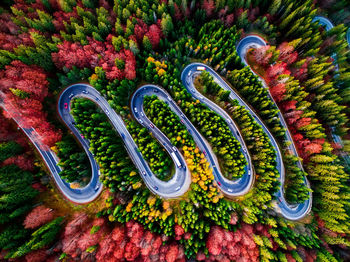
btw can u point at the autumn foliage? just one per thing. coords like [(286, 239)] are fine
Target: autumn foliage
[(96, 54), (23, 89), (129, 243), (276, 77), (231, 246), (38, 216)]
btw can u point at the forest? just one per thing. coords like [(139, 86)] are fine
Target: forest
[(302, 75)]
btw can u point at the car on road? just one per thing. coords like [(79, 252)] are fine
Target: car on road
[(122, 135), (107, 112), (174, 148), (178, 188), (71, 95), (85, 92), (200, 68), (182, 121), (151, 125), (155, 187), (155, 90), (135, 109), (65, 105), (82, 136), (204, 153), (144, 173), (142, 114), (97, 187), (219, 183), (229, 190)]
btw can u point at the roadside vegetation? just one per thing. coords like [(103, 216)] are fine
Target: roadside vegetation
[(73, 161)]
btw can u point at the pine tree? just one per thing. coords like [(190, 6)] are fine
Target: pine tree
[(167, 25), (146, 43)]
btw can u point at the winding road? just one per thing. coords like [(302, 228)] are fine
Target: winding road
[(80, 195), (295, 211), (181, 180), (231, 188)]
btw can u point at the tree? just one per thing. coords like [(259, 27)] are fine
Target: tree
[(36, 256), (154, 34), (28, 110), (38, 216), (167, 25), (9, 149), (147, 43), (209, 7), (40, 238)]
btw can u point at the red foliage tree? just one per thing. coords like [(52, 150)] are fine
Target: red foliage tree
[(313, 148), (154, 34), (232, 246), (23, 161), (36, 256), (40, 215), (277, 69), (9, 42), (289, 105), (172, 253), (178, 14), (287, 53), (229, 20), (96, 54), (303, 122), (209, 7), (7, 25), (179, 231), (23, 89), (140, 30), (89, 237), (261, 56), (278, 91), (72, 232)]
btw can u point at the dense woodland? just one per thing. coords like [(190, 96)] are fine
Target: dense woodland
[(116, 46)]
